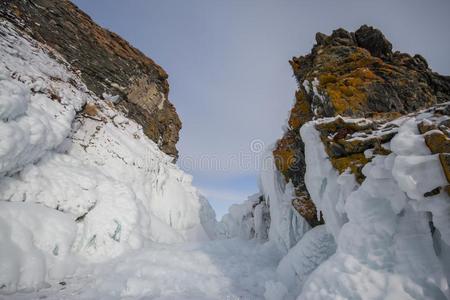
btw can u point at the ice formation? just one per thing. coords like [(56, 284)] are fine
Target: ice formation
[(381, 227), (77, 183), (377, 241), (286, 225), (247, 220)]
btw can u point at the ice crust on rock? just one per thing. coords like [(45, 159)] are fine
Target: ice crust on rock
[(312, 250), (287, 226), (384, 241), (247, 220), (78, 185), (377, 241)]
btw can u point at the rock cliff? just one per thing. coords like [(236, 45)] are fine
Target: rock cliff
[(354, 74), (108, 65), (80, 178)]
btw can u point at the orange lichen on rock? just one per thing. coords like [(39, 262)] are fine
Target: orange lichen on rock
[(284, 155), (437, 141), (90, 109), (301, 112), (354, 163), (347, 81), (445, 162)]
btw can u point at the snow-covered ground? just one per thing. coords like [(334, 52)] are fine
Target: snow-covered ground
[(222, 269)]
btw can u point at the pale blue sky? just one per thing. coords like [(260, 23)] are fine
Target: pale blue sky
[(228, 66)]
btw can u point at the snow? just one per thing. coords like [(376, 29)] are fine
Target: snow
[(31, 123), (91, 187), (35, 245), (222, 269), (111, 98), (306, 85), (318, 98), (384, 243), (275, 290)]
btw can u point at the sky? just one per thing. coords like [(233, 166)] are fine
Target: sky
[(229, 75)]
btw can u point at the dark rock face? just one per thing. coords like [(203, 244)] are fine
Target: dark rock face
[(355, 75), (374, 41), (107, 63)]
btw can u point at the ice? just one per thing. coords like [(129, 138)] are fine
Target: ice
[(327, 189), (35, 246), (275, 291), (408, 141), (14, 98), (384, 244), (384, 248), (247, 220), (287, 226), (312, 250), (74, 188)]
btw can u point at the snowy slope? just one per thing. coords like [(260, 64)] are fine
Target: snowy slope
[(79, 182)]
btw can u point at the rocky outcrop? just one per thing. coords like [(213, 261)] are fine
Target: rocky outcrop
[(108, 65), (354, 74)]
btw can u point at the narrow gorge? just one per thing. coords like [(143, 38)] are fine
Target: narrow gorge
[(353, 200)]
